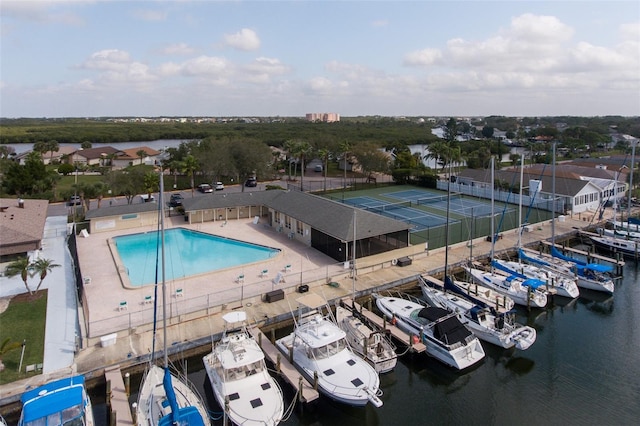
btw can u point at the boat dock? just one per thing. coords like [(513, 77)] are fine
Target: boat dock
[(307, 393), (117, 397), (382, 323)]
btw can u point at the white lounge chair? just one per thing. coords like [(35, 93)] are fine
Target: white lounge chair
[(264, 273)]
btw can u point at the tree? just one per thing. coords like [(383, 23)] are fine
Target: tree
[(141, 153), (487, 132), (6, 347), (345, 148), (42, 267), (86, 145), (300, 150), (20, 267), (371, 159), (189, 166), (324, 155), (52, 146), (151, 183), (65, 169)]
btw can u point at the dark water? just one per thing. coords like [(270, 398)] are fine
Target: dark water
[(583, 369)]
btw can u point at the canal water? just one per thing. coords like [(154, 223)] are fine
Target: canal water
[(583, 369)]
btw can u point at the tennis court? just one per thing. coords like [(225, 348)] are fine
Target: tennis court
[(403, 211), (459, 204)]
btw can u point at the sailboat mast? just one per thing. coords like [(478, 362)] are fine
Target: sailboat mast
[(446, 226), (633, 156), (553, 192), (493, 236), (353, 261), (164, 286), (520, 201)]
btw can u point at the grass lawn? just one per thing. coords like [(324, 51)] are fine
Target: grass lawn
[(24, 319)]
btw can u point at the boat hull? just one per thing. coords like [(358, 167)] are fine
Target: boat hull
[(459, 356), (340, 375)]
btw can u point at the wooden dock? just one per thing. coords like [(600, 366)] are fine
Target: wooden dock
[(588, 255), (287, 370), (398, 334), (118, 400)]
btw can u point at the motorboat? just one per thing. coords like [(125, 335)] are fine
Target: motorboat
[(628, 247), (60, 402), (239, 377), (319, 350), (367, 341), (167, 397), (480, 295), (498, 329), (526, 292), (444, 336), (560, 284)]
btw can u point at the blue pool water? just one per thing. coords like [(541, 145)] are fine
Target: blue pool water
[(187, 253)]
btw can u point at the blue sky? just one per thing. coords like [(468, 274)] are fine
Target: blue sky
[(89, 58)]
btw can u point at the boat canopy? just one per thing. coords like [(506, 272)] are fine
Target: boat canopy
[(595, 267), (449, 331), (52, 398)]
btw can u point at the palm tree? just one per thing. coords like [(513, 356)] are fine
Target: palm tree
[(345, 148), (289, 147), (151, 183), (21, 267), (141, 153), (42, 267), (189, 165), (324, 154), (302, 150), (6, 347)]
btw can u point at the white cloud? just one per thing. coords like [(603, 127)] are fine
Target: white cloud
[(108, 59), (245, 39), (424, 57), (380, 23), (41, 12), (178, 49)]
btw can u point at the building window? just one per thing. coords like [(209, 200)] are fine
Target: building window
[(129, 216), (287, 222), (299, 227)]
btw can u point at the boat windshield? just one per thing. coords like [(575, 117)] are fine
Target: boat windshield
[(243, 371), (328, 350), (71, 416)]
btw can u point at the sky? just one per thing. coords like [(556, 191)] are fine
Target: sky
[(91, 58)]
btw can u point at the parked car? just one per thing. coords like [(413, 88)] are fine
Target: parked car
[(74, 200), (146, 198), (205, 188), (219, 186), (175, 200), (251, 182)]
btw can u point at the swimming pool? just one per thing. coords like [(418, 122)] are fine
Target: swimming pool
[(187, 253)]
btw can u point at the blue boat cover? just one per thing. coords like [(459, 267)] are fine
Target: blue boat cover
[(185, 416), (533, 283), (592, 266), (633, 221), (52, 398)]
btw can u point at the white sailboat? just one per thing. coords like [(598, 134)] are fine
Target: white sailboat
[(166, 398), (318, 349), (445, 337), (498, 329), (523, 291), (589, 275), (480, 295), (239, 377)]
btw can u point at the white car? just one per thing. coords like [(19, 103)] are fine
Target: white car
[(219, 186)]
